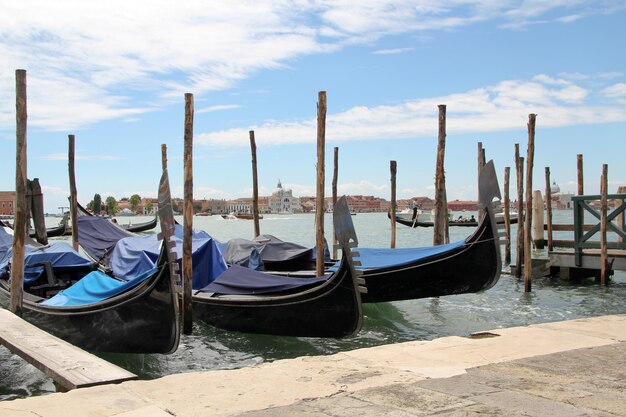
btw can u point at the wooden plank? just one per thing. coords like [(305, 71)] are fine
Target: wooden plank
[(68, 365)]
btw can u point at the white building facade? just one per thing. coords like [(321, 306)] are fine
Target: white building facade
[(282, 201)]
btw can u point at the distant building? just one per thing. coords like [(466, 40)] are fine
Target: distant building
[(560, 201), (7, 203), (282, 201)]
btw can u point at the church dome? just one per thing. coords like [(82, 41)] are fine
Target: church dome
[(555, 189)]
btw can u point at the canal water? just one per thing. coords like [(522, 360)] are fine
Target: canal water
[(504, 305)]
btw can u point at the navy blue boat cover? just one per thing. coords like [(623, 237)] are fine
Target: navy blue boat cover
[(98, 236), (135, 255), (238, 280), (59, 254), (93, 288)]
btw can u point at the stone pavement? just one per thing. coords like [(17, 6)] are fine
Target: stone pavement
[(582, 382), (571, 368)]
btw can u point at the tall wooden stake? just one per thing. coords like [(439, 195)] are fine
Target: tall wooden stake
[(36, 208), (441, 205), (319, 201), (255, 187), (334, 190), (519, 249), (549, 209), (19, 222), (581, 180), (528, 269), (507, 216), (73, 192), (538, 221), (480, 164), (187, 263), (393, 169), (604, 266), (619, 220)]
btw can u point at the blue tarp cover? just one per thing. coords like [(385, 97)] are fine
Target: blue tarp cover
[(98, 236), (135, 255), (95, 287), (59, 254), (385, 257), (238, 280)]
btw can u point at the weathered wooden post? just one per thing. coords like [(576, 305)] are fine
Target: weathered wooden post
[(319, 201), (441, 205), (480, 164), (620, 217), (507, 216), (393, 170), (537, 232), (36, 208), (519, 249), (19, 222), (334, 190), (73, 192), (549, 209), (604, 207), (255, 187), (528, 267), (187, 264), (581, 181)]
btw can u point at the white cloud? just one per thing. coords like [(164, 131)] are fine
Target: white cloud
[(218, 107), (615, 91), (503, 106), (89, 61)]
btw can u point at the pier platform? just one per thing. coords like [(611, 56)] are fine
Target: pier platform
[(569, 368)]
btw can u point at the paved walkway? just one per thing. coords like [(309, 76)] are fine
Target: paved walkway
[(571, 368)]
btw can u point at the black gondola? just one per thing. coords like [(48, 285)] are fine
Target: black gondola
[(467, 266), (138, 316), (407, 220), (132, 228), (250, 301)]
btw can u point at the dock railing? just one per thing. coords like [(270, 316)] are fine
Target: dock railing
[(615, 223)]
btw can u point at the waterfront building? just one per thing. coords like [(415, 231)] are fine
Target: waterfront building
[(7, 203), (560, 201), (282, 201)]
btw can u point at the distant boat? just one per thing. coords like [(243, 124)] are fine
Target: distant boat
[(240, 216), (407, 220)]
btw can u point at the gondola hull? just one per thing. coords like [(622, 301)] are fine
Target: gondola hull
[(471, 268), (142, 320), (332, 309), (141, 227)]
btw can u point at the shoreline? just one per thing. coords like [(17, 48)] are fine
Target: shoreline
[(291, 384)]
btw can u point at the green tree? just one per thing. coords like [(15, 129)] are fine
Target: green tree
[(197, 207), (111, 204), (135, 199), (149, 207), (97, 204)]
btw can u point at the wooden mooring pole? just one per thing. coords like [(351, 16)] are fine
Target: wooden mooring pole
[(528, 267), (441, 205), (187, 263), (538, 221), (73, 192), (334, 191), (37, 210), (620, 218), (519, 247), (579, 166), (480, 164), (549, 209), (604, 206), (319, 201), (393, 171), (507, 216), (255, 187), (19, 222)]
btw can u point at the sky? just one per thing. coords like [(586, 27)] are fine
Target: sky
[(115, 74)]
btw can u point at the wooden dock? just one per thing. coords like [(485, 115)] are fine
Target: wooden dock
[(69, 366)]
